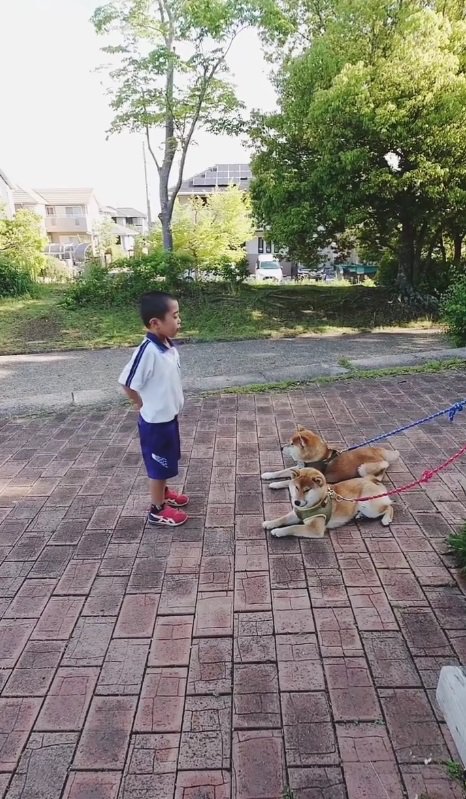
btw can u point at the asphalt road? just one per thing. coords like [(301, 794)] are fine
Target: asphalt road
[(213, 365)]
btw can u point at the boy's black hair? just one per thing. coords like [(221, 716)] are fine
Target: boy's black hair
[(154, 305)]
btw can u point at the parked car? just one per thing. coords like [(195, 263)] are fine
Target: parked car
[(268, 269), (305, 273)]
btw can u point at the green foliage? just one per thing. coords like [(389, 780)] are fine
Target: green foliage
[(457, 543), (212, 233), (106, 238), (436, 279), (55, 270), (453, 309), (234, 274), (14, 281), (22, 242), (126, 280), (455, 770), (370, 133), (387, 270)]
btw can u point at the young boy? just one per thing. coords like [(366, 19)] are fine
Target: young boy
[(152, 381)]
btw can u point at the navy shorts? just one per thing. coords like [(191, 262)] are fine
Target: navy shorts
[(160, 446)]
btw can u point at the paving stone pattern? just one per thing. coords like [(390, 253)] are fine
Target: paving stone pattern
[(211, 661)]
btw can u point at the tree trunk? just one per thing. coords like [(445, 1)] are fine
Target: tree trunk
[(406, 258), (457, 247), (443, 250), (166, 207), (417, 263), (167, 235), (165, 214)]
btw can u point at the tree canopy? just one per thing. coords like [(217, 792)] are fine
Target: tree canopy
[(371, 133), (213, 231), (22, 242)]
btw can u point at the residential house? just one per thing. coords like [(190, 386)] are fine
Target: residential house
[(7, 207), (125, 234), (130, 217), (29, 200), (72, 216)]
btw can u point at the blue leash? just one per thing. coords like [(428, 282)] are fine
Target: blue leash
[(452, 411)]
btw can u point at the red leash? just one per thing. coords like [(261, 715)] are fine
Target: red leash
[(425, 477)]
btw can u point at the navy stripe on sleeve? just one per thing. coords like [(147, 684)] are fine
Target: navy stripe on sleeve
[(136, 362)]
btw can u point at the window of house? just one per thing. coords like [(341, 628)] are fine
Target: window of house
[(50, 210), (260, 245), (74, 210), (268, 246)]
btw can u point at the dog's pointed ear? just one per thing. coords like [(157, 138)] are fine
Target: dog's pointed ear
[(295, 473), (318, 479), (300, 428)]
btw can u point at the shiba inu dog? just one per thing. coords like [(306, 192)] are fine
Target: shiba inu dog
[(309, 450), (317, 506)]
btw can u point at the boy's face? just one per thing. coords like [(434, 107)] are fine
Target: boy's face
[(170, 324)]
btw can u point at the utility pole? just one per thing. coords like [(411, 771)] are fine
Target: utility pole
[(149, 215)]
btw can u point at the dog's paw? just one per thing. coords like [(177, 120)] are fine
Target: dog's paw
[(267, 526), (276, 484), (267, 476), (278, 532)]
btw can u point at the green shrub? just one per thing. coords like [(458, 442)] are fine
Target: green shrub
[(233, 274), (453, 309), (436, 279), (457, 544), (124, 281), (14, 281), (387, 271), (55, 271)]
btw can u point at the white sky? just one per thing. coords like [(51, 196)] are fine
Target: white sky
[(54, 113)]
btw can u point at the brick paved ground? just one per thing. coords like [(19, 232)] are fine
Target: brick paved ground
[(212, 662)]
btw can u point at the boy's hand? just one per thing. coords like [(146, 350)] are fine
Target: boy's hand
[(133, 397)]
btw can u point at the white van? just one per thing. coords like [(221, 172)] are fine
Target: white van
[(268, 268)]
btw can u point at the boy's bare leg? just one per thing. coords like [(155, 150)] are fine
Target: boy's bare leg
[(157, 492)]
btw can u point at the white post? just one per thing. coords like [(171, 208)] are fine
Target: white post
[(451, 697)]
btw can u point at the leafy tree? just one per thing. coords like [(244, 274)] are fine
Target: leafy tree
[(22, 242), (106, 239), (213, 231), (171, 76), (370, 134)]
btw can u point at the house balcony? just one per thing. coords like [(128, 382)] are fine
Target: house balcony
[(68, 224)]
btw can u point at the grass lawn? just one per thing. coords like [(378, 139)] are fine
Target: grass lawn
[(41, 324)]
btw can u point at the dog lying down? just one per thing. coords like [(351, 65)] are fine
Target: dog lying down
[(316, 506), (309, 450)]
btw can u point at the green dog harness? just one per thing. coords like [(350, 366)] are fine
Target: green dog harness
[(323, 509)]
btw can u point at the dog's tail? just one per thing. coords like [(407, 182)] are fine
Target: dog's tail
[(391, 455)]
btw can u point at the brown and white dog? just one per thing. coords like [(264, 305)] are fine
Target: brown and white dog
[(317, 507), (309, 450)]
